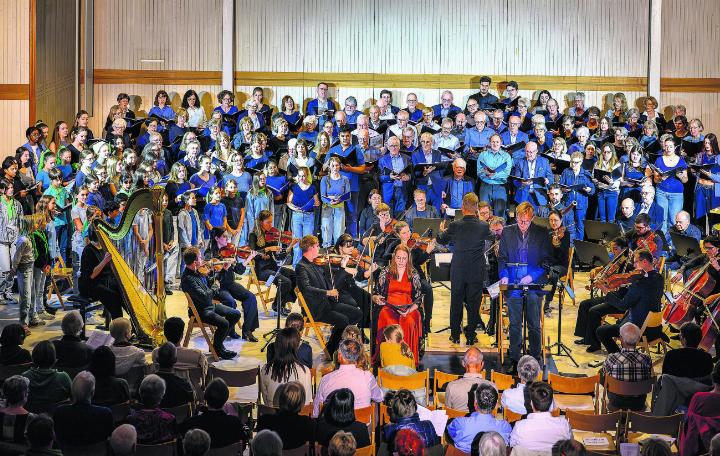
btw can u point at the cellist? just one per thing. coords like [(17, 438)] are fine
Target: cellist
[(711, 256)]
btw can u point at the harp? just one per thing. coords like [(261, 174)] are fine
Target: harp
[(144, 299)]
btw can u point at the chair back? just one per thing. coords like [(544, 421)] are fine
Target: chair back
[(263, 409), (453, 413), (453, 451), (13, 369), (511, 416), (384, 414), (502, 381), (299, 451), (135, 375), (71, 371), (161, 449), (622, 388), (120, 411), (648, 424), (237, 379), (180, 412), (365, 414), (594, 423), (365, 451), (311, 323), (440, 381), (96, 449), (653, 320), (410, 382), (573, 385), (230, 450)]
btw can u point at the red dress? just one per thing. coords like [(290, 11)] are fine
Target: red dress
[(400, 294)]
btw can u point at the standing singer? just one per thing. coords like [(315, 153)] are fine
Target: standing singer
[(524, 249)]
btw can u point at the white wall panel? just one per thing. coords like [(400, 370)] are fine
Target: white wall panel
[(691, 34), (15, 42), (12, 128)]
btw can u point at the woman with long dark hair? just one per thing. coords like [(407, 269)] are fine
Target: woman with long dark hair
[(196, 113), (339, 415), (285, 367)]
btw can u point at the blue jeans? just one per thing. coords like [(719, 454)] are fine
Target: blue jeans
[(38, 290), (496, 196), (579, 214), (25, 293), (607, 205), (671, 204), (303, 223), (332, 224), (532, 320), (351, 214), (63, 235)]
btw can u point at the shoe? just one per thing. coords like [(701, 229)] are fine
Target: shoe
[(511, 369), (227, 354), (548, 313), (249, 337), (481, 326), (595, 364), (37, 323), (592, 349), (168, 292), (454, 339), (27, 330), (45, 316), (233, 335), (49, 310), (675, 337), (580, 342), (471, 340)]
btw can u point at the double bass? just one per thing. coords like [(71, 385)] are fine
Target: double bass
[(699, 285)]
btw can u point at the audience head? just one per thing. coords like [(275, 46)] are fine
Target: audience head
[(490, 444), (339, 408), (568, 447), (83, 387), (196, 443), (266, 443), (72, 324), (690, 334), (486, 397), (541, 396), (408, 443), (349, 351), (295, 320), (12, 335), (629, 335), (152, 390), (123, 440), (15, 390), (715, 445), (167, 355), (473, 360), (655, 447), (290, 397), (120, 329), (40, 432), (403, 405), (528, 369), (352, 332), (216, 394), (173, 328), (342, 444), (43, 355), (102, 362)]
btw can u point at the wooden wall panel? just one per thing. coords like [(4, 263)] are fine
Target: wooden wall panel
[(15, 42), (691, 33), (12, 128), (704, 106)]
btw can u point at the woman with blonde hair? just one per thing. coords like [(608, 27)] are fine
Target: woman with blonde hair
[(607, 185)]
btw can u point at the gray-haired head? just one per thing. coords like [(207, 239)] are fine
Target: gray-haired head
[(266, 443), (196, 442), (528, 369), (83, 387), (152, 390), (72, 323), (123, 440)]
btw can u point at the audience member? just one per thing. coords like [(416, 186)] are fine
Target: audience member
[(40, 436), (294, 429), (109, 390), (178, 390), (153, 425), (266, 443), (196, 443), (360, 382), (71, 350), (285, 367), (339, 415), (11, 352), (540, 430), (224, 429), (123, 440), (127, 356), (408, 443), (14, 418), (514, 399), (47, 385), (568, 447), (81, 423), (702, 418), (342, 444), (628, 365), (463, 430), (458, 394), (174, 329), (305, 355), (403, 415), (489, 444), (655, 447), (715, 445)]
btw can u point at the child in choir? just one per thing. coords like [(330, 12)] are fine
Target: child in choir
[(334, 190), (242, 178), (394, 351), (259, 198), (215, 216), (170, 250), (78, 216), (47, 163), (87, 158), (177, 184), (127, 183), (95, 198), (22, 263), (65, 165), (10, 215), (41, 267), (278, 185), (189, 226), (203, 180), (235, 206), (62, 199), (302, 198)]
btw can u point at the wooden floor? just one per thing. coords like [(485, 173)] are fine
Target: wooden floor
[(250, 353)]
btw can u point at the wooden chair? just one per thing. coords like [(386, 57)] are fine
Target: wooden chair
[(161, 449), (409, 382), (511, 416), (96, 449), (135, 375), (120, 411), (196, 378), (364, 451), (440, 380), (311, 323), (60, 272), (181, 412), (454, 413), (502, 381), (263, 292), (653, 320), (195, 321), (452, 450), (640, 423), (238, 379), (384, 415), (230, 450), (586, 424), (622, 388), (575, 393)]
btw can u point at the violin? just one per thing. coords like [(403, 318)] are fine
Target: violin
[(699, 284), (333, 258), (230, 251), (214, 264), (618, 281), (274, 235), (592, 123), (390, 226), (710, 328), (648, 242)]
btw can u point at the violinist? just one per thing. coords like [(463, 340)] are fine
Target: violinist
[(349, 271), (492, 249), (559, 255), (555, 203), (270, 249), (380, 233), (711, 255), (642, 236), (643, 296), (682, 227)]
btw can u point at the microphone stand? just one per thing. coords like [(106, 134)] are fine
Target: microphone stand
[(270, 335)]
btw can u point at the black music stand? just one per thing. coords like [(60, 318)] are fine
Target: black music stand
[(601, 231), (685, 245), (525, 288), (422, 225), (591, 253)]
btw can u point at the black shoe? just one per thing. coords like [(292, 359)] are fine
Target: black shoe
[(50, 310), (675, 337), (168, 292), (481, 326), (249, 337), (454, 339), (234, 335), (472, 340), (595, 364), (592, 349), (227, 354), (511, 368), (581, 342)]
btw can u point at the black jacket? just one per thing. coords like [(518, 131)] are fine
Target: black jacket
[(468, 236), (82, 424), (313, 285), (538, 255), (72, 352), (178, 390), (198, 287)]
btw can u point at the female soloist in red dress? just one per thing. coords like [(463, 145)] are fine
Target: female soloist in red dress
[(398, 291)]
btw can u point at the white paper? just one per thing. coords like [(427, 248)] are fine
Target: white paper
[(450, 212), (99, 338), (443, 258), (494, 290), (595, 441), (438, 418)]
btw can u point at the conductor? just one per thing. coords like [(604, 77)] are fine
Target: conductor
[(524, 249), (467, 268)]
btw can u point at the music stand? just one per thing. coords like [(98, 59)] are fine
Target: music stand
[(439, 271), (591, 253), (601, 231), (525, 288), (422, 225), (685, 245)]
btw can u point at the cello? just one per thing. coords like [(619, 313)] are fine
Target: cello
[(699, 285), (710, 328)]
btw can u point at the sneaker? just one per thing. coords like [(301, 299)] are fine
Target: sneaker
[(45, 316), (26, 328), (34, 323)]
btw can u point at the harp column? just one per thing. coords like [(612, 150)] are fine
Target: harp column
[(228, 44)]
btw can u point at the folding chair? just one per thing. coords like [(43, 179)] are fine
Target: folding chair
[(622, 388), (590, 425), (409, 382), (574, 393), (452, 450), (502, 381), (195, 321), (161, 449), (60, 272), (311, 323), (653, 320), (640, 424), (230, 450), (181, 412), (440, 380), (263, 292), (238, 379)]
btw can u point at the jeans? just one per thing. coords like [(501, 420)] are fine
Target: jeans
[(76, 271), (25, 292), (671, 204), (579, 222), (496, 196), (303, 223), (351, 214), (607, 205), (332, 224), (532, 322), (6, 280), (38, 290), (223, 318), (63, 235)]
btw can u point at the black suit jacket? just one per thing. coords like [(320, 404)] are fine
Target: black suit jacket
[(313, 285), (468, 236), (82, 424), (198, 287), (538, 256)]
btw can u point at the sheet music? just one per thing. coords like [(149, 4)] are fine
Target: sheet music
[(450, 212), (595, 441), (494, 289), (442, 258)]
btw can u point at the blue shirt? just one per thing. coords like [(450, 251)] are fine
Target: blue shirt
[(672, 184), (243, 181), (66, 171), (333, 188), (455, 190), (194, 224), (203, 186), (492, 160), (463, 430), (166, 112), (292, 118), (215, 214), (96, 199), (301, 198), (44, 178), (475, 138), (359, 161)]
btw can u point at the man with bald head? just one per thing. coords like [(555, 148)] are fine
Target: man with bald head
[(394, 177), (683, 227), (458, 393), (626, 219), (528, 169), (123, 440), (81, 423), (459, 128), (479, 135)]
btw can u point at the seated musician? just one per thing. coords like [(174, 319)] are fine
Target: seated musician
[(380, 233), (322, 299), (643, 236), (711, 258), (230, 290), (626, 218), (591, 311), (348, 274), (266, 264), (555, 203), (559, 255), (643, 296), (682, 227), (399, 292), (420, 209), (198, 286), (97, 281)]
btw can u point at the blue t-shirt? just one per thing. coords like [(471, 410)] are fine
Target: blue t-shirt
[(44, 178), (672, 184), (215, 214), (244, 181), (66, 171), (203, 186), (359, 160), (96, 199), (301, 198)]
